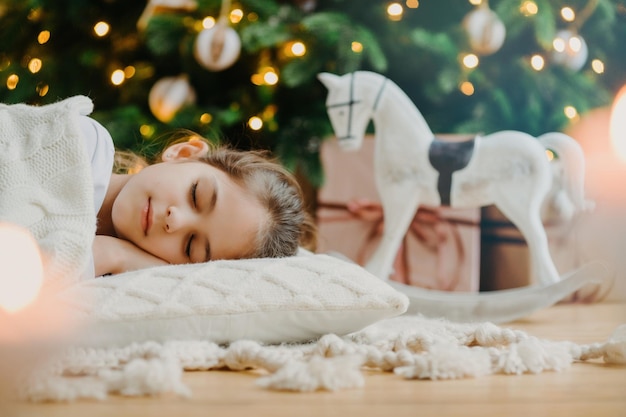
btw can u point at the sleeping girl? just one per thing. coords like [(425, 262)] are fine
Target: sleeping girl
[(198, 204)]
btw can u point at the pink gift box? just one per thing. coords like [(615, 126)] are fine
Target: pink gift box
[(441, 249)]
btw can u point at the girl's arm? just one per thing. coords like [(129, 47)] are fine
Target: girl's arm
[(113, 256)]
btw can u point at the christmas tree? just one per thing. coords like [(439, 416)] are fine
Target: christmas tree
[(243, 72)]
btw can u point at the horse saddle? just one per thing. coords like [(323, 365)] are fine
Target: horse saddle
[(447, 157)]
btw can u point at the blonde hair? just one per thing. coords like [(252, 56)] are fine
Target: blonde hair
[(289, 224)]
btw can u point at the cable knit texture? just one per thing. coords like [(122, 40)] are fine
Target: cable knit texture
[(268, 300), (45, 182)]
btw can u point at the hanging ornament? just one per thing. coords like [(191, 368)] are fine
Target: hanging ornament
[(218, 48), (569, 50), (158, 6), (485, 30), (169, 95)]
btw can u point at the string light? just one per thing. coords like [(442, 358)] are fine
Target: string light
[(34, 65), (412, 4), (570, 112), (206, 118), (252, 17), (236, 15), (295, 48), (597, 66), (357, 47), (549, 154), (470, 61), (270, 77), (146, 130), (43, 37), (117, 77), (529, 8), (537, 62), (255, 123), (467, 88), (42, 89), (395, 11), (12, 81), (101, 28), (475, 2), (129, 71), (567, 13), (208, 22)]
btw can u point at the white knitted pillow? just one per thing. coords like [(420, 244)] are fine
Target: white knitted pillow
[(268, 300)]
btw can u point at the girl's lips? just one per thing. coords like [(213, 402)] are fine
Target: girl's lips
[(146, 217)]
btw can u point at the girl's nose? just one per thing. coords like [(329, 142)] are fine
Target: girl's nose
[(174, 219)]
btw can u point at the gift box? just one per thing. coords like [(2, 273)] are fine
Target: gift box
[(441, 249), (505, 258)]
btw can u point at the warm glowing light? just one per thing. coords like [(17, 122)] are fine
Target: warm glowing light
[(537, 62), (206, 118), (236, 15), (146, 130), (357, 47), (597, 66), (252, 17), (208, 22), (567, 13), (558, 44), (257, 79), (12, 81), (298, 49), (476, 2), (549, 154), (43, 37), (255, 123), (34, 65), (617, 124), (129, 71), (22, 268), (118, 77), (395, 11), (570, 112), (42, 89), (101, 28), (575, 43), (467, 88), (529, 8), (270, 77), (470, 61), (412, 4)]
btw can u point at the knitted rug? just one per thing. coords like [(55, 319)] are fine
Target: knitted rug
[(413, 347)]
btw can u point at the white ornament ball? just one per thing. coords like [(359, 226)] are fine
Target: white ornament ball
[(217, 48), (485, 30), (169, 95), (569, 50)]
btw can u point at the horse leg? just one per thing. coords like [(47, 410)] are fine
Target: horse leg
[(400, 202), (523, 210)]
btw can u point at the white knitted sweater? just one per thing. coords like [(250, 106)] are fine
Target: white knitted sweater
[(45, 182)]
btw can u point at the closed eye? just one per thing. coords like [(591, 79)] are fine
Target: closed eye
[(192, 193), (188, 247)]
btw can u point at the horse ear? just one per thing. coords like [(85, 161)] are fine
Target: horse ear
[(329, 80)]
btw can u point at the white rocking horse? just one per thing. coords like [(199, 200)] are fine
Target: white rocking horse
[(412, 167)]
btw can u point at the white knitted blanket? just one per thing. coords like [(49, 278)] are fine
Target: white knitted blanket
[(411, 346), (45, 182)]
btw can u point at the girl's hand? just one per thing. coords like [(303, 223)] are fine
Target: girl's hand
[(113, 256)]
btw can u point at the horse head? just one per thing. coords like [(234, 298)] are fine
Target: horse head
[(350, 105)]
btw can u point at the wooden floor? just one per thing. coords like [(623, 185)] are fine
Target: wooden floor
[(585, 389)]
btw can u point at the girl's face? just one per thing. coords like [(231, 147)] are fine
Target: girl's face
[(187, 212)]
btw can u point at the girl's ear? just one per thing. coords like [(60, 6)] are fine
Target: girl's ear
[(192, 149)]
